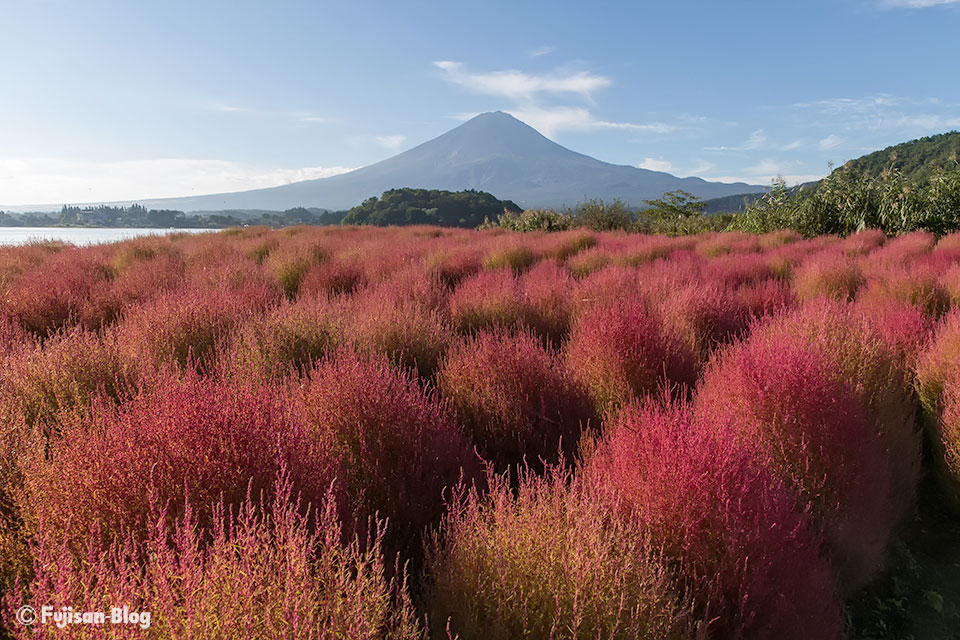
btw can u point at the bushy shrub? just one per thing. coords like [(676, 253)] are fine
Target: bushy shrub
[(332, 278), (947, 447), (747, 557), (399, 446), (547, 289), (180, 435), (509, 255), (264, 570), (847, 338), (812, 430), (621, 351), (292, 336), (514, 397), (830, 275), (51, 296), (588, 261), (455, 264), (487, 300), (40, 384), (382, 320), (917, 284), (185, 327), (547, 561)]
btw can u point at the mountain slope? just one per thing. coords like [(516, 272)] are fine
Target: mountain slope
[(917, 159), (492, 152)]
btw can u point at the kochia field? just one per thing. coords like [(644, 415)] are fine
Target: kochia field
[(350, 432)]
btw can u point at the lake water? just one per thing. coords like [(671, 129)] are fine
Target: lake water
[(81, 236)]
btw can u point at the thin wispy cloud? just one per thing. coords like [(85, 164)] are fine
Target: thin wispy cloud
[(552, 120), (542, 51), (917, 4), (830, 142), (58, 180), (525, 91), (521, 86), (757, 140)]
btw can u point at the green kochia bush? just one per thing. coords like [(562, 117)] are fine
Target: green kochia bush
[(548, 561)]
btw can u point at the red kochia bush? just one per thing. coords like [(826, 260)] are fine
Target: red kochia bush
[(548, 291), (515, 397), (52, 295), (183, 434), (183, 326), (266, 570), (620, 351), (749, 559), (810, 427), (861, 355), (948, 433), (486, 300), (383, 320), (400, 447), (938, 385)]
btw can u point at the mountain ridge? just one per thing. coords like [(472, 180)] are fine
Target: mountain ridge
[(492, 152)]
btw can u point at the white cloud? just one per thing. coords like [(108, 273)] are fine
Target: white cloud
[(656, 165), (521, 86), (542, 51), (551, 120), (226, 108), (315, 119), (830, 142), (796, 144), (917, 4), (391, 142), (58, 180)]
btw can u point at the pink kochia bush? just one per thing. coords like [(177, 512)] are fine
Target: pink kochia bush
[(547, 561), (620, 351), (938, 385), (400, 448), (730, 529), (515, 398), (185, 326), (811, 428), (861, 355), (383, 320), (181, 435), (270, 569), (487, 300), (53, 295)]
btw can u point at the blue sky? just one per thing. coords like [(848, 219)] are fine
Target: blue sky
[(118, 100)]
